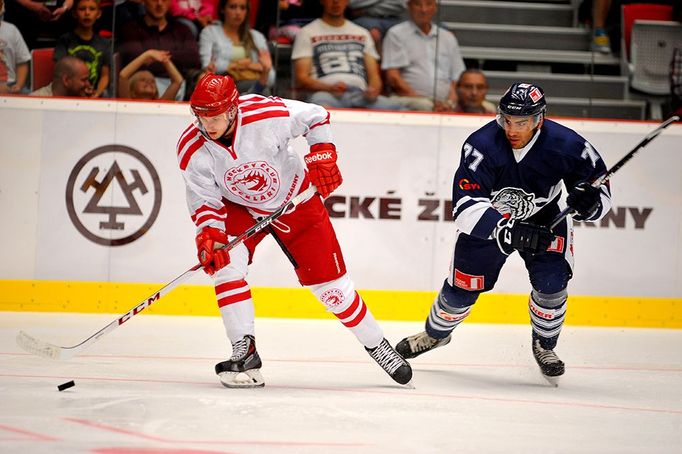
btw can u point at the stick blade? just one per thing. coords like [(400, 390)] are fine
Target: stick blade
[(38, 347)]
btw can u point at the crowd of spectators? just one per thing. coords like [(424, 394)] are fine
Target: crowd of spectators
[(373, 54)]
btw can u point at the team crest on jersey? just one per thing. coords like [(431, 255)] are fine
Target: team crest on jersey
[(513, 203), (254, 182)]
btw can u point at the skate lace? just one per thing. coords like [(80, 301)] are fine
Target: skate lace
[(546, 356), (239, 349), (386, 357), (421, 341)]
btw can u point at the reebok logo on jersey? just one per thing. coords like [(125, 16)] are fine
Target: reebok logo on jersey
[(327, 156)]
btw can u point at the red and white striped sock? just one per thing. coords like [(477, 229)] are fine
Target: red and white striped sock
[(236, 308), (359, 319)]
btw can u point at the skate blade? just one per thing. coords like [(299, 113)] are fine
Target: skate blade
[(248, 379), (409, 385), (553, 381)]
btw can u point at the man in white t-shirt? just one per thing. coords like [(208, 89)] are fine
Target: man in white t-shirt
[(14, 56), (336, 62), (417, 52)]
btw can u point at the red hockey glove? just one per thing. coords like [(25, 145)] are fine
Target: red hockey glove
[(211, 257), (324, 173)]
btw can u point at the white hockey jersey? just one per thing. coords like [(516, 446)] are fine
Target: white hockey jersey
[(259, 170)]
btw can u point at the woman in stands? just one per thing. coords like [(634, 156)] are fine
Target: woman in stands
[(232, 47)]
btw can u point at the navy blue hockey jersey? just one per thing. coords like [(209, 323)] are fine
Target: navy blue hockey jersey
[(490, 183)]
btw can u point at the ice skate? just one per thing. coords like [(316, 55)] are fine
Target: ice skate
[(551, 366), (242, 370), (391, 362), (413, 346)]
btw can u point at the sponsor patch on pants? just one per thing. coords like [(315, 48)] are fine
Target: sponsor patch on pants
[(468, 281)]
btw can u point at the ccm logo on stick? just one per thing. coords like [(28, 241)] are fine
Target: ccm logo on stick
[(139, 308)]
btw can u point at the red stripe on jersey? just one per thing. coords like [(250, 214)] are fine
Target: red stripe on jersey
[(232, 299), (266, 102), (185, 137), (190, 151), (203, 209), (227, 286), (322, 123), (357, 319), (264, 116), (348, 312)]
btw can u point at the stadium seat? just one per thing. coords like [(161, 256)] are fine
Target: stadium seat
[(652, 47), (42, 67)]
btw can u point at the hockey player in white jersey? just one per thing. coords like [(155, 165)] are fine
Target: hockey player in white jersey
[(238, 166)]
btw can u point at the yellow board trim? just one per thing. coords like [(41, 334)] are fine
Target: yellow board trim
[(118, 298)]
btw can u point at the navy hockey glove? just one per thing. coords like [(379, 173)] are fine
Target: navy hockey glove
[(522, 236), (585, 200)]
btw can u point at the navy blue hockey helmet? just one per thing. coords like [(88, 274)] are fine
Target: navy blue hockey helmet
[(523, 100)]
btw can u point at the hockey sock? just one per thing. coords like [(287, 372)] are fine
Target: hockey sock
[(451, 306), (547, 314), (341, 299), (236, 308)]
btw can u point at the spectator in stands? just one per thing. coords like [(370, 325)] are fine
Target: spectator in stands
[(335, 62), (14, 56), (472, 88), (135, 83), (85, 44), (116, 13), (293, 14), (196, 14), (377, 16), (155, 30), (412, 66), (600, 37), (71, 78), (40, 22), (232, 47)]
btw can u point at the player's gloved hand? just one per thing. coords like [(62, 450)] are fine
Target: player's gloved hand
[(324, 173), (585, 200), (209, 243), (522, 236)]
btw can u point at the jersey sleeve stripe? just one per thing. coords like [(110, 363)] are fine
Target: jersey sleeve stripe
[(264, 115), (249, 107), (187, 152), (323, 122), (186, 136)]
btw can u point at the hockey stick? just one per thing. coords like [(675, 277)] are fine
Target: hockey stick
[(604, 178), (47, 350)]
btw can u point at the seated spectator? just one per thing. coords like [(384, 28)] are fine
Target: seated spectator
[(377, 16), (195, 14), (335, 62), (14, 56), (85, 44), (134, 83), (472, 88), (155, 30), (232, 47), (71, 78), (293, 14), (410, 61)]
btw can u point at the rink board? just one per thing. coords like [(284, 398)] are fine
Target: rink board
[(66, 250)]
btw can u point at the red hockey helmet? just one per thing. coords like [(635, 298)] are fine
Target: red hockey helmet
[(214, 95)]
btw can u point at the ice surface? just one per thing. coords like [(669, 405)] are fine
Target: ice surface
[(149, 387)]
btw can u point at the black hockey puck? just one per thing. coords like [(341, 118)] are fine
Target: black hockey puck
[(66, 385)]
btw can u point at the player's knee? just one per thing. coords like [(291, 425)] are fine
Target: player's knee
[(237, 268), (336, 295), (455, 297)]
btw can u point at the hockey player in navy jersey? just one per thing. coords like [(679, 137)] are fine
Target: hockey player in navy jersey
[(238, 165), (506, 192)]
